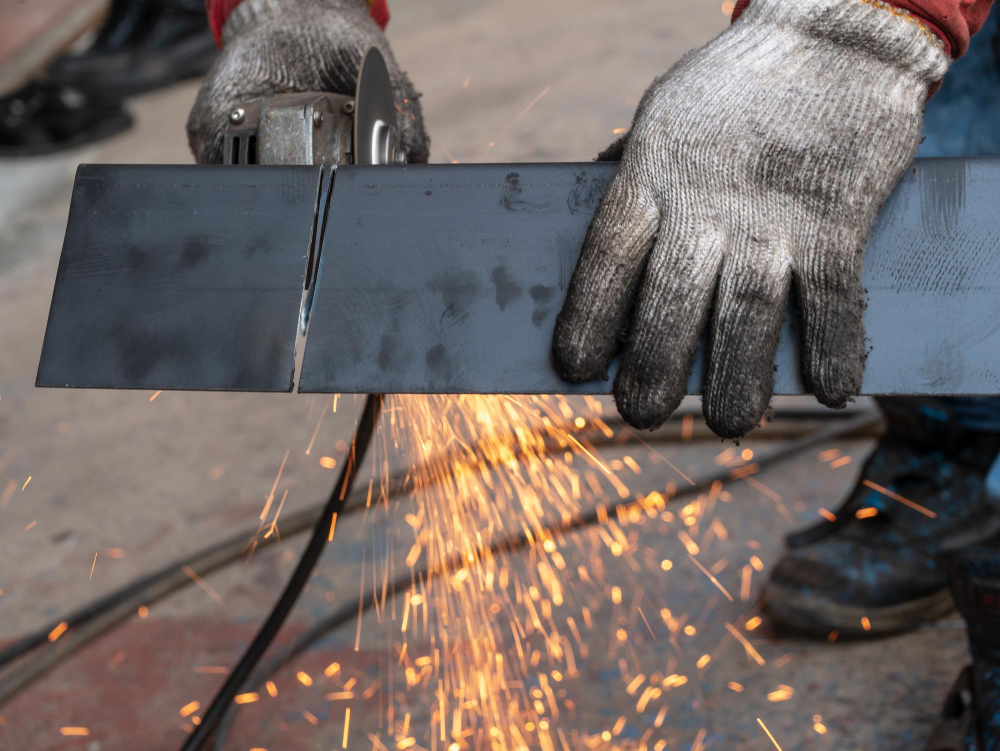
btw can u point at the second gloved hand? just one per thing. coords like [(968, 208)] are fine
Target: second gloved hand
[(762, 158), (285, 46)]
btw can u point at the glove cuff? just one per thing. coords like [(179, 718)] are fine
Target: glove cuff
[(252, 13), (876, 28)]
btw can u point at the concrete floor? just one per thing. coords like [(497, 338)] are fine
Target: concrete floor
[(141, 482)]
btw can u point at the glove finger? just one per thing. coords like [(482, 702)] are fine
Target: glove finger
[(673, 305), (599, 300), (832, 302), (749, 311)]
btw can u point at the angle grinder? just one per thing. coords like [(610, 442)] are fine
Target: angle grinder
[(315, 128)]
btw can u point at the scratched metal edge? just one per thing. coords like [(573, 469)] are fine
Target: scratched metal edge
[(85, 171), (980, 179)]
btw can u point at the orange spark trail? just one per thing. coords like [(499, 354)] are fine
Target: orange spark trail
[(897, 497), (203, 584), (714, 581), (746, 645), (761, 723)]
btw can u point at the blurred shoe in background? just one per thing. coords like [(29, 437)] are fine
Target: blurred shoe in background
[(971, 717), (879, 565), (43, 118), (143, 45)]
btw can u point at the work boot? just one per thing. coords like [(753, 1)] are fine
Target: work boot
[(43, 118), (144, 45), (878, 566), (971, 717)]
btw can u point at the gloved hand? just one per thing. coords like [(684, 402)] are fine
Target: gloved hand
[(284, 46), (761, 158)]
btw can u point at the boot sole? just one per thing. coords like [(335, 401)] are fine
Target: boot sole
[(818, 616)]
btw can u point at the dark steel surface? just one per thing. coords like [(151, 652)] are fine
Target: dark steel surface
[(448, 279), (181, 277)]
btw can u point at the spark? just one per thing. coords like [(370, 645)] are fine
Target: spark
[(309, 448), (761, 723), (897, 497), (734, 686), (304, 678), (646, 622), (190, 708), (310, 717), (143, 611), (58, 631), (841, 462), (752, 623), (274, 487), (828, 515), (31, 524), (687, 427), (327, 462), (782, 693), (155, 395), (524, 112), (274, 521), (26, 483), (92, 565), (202, 583), (115, 661), (711, 577), (866, 513), (747, 646), (347, 726), (745, 582), (272, 690), (70, 730), (8, 493), (866, 624), (247, 698)]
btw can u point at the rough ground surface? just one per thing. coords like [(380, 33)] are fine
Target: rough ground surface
[(119, 475)]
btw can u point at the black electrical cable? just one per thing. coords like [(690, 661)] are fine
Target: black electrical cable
[(300, 577), (517, 542)]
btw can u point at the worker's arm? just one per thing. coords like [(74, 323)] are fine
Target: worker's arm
[(280, 46), (756, 164)]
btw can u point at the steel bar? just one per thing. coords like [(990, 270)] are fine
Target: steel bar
[(447, 278)]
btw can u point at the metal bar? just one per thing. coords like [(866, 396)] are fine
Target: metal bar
[(181, 278), (448, 279)]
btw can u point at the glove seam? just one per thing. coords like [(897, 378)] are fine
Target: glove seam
[(926, 27), (903, 14)]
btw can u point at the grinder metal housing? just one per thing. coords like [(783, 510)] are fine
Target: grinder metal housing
[(319, 128)]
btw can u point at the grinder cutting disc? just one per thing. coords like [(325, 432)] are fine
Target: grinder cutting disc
[(376, 138)]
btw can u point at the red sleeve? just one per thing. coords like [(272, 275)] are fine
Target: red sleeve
[(955, 21), (219, 10)]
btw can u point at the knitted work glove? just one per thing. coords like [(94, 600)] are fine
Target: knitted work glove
[(284, 46), (761, 158)]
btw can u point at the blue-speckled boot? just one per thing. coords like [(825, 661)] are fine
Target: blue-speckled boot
[(971, 717), (880, 567)]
